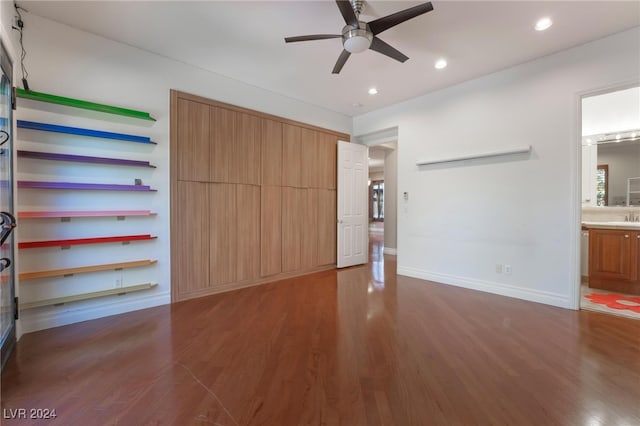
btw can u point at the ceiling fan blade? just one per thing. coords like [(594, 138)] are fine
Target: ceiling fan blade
[(311, 37), (384, 48), (384, 23), (347, 12), (341, 61)]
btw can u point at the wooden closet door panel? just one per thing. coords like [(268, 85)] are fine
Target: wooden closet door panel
[(223, 130), (245, 159), (271, 230), (222, 216), (291, 229), (327, 226), (328, 160), (248, 232), (291, 159), (310, 168), (309, 215), (271, 152), (192, 222), (193, 141)]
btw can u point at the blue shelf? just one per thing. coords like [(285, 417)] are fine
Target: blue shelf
[(55, 128)]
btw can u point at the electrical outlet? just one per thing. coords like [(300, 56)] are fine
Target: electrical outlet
[(498, 268), (507, 269)]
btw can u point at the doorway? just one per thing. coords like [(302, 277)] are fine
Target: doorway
[(610, 212)]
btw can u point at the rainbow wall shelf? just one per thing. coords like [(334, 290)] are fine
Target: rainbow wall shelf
[(83, 241), (83, 159), (77, 297), (31, 184), (81, 104), (83, 213), (67, 272), (56, 128)]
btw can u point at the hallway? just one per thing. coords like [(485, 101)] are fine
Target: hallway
[(359, 346)]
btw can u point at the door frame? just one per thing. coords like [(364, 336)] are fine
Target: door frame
[(576, 198)]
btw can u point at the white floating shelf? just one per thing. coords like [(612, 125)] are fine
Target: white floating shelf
[(77, 297), (485, 154)]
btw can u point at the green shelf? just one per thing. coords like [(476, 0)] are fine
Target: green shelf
[(77, 103)]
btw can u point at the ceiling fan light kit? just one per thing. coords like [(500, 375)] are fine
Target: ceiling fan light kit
[(358, 36)]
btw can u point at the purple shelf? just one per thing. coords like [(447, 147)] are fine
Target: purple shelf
[(83, 186), (82, 159)]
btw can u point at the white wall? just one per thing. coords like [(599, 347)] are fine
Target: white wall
[(391, 200), (68, 62), (463, 219)]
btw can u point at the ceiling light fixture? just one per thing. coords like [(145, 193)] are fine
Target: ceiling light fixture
[(440, 64), (373, 91), (543, 24)]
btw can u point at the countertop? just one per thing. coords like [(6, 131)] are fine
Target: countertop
[(631, 226)]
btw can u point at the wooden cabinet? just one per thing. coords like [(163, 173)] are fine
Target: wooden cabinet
[(221, 232), (245, 161), (192, 260), (327, 226), (291, 228), (614, 260), (223, 135), (252, 197), (271, 230), (271, 152), (193, 141), (309, 165), (291, 156)]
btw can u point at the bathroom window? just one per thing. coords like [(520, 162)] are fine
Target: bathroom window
[(602, 185)]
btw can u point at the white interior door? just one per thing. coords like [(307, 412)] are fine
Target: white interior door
[(353, 172)]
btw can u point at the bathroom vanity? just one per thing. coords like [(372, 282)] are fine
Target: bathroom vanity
[(614, 256)]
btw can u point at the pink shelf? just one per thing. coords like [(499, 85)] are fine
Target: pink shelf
[(91, 213)]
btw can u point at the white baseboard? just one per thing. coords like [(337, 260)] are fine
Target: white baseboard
[(548, 298), (390, 250), (40, 319)]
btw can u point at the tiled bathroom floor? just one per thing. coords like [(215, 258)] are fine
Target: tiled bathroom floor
[(588, 304)]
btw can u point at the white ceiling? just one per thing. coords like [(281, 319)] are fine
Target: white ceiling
[(244, 40)]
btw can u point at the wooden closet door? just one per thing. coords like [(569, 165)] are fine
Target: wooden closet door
[(291, 159), (310, 168), (248, 232), (193, 141), (271, 152), (245, 158), (192, 260), (291, 228), (309, 214), (328, 146), (271, 230), (223, 134), (222, 234), (327, 226)]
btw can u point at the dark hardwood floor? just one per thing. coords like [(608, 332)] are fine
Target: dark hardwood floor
[(354, 347)]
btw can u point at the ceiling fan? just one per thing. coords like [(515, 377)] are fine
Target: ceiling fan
[(358, 36)]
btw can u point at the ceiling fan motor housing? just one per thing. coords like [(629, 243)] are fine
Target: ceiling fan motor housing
[(357, 40)]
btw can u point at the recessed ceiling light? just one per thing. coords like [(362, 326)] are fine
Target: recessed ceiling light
[(618, 137), (440, 64), (543, 24), (373, 91)]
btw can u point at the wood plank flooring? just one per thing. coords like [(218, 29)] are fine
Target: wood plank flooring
[(354, 347)]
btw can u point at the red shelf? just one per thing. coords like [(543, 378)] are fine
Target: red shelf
[(87, 213), (82, 241)]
